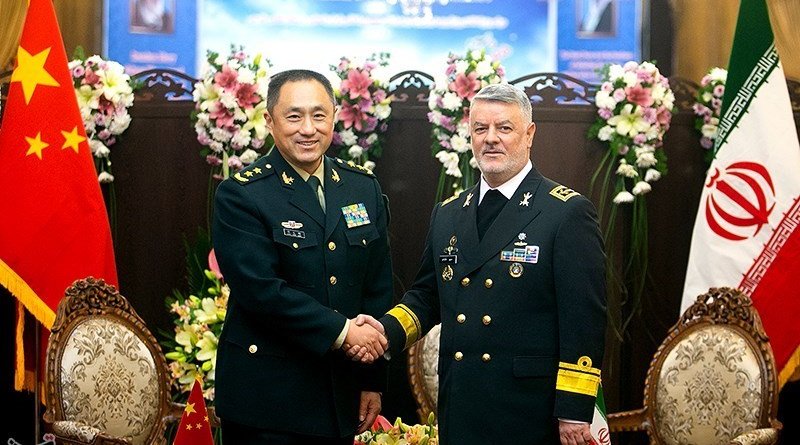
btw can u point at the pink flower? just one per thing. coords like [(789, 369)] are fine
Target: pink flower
[(247, 95), (358, 83), (607, 87), (226, 78), (639, 95), (222, 117), (213, 265), (451, 69), (343, 63), (466, 86), (719, 90), (78, 71), (706, 143), (90, 78), (664, 117), (618, 94), (379, 96), (351, 116), (605, 113)]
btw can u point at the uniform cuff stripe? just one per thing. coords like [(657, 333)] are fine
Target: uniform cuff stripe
[(408, 321), (577, 382)]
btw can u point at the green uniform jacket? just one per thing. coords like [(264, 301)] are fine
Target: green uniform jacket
[(296, 274), (522, 312)]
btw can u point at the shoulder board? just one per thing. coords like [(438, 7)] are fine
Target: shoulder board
[(451, 199), (563, 193), (253, 172), (353, 167)]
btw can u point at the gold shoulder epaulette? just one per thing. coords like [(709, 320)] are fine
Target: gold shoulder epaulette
[(353, 167), (563, 193), (253, 172), (580, 378), (451, 199)]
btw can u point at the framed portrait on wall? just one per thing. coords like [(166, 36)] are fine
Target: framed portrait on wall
[(152, 16), (596, 18)]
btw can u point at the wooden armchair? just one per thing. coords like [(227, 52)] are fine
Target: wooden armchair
[(423, 373), (107, 379), (712, 381)]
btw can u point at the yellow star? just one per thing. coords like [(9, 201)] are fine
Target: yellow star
[(31, 73), (188, 426), (206, 419), (36, 145), (257, 170), (72, 139), (190, 408), (248, 173), (197, 426)]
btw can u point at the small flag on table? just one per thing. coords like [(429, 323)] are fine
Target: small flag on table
[(194, 428)]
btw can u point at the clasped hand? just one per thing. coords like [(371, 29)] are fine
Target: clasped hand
[(366, 339)]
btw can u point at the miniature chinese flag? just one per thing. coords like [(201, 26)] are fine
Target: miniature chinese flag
[(194, 428), (54, 227)]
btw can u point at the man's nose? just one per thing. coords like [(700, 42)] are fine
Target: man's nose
[(491, 136), (307, 126)]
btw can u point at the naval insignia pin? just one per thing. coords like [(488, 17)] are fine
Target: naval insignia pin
[(292, 224), (515, 270), (526, 199), (288, 180), (355, 215), (447, 273), (521, 237), (468, 200)]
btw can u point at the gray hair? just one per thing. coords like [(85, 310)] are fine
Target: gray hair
[(503, 92)]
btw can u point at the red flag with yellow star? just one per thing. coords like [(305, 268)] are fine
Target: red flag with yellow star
[(54, 229), (194, 428)]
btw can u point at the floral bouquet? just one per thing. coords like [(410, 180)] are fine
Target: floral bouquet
[(104, 94), (634, 108), (364, 111), (230, 104), (198, 324), (707, 108), (384, 433), (449, 102)]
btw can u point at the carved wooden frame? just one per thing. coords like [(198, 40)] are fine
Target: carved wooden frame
[(426, 404), (719, 306), (88, 298)]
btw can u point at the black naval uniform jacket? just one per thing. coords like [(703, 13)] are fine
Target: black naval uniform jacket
[(296, 275), (522, 312)]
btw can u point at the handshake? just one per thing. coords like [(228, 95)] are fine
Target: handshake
[(366, 339)]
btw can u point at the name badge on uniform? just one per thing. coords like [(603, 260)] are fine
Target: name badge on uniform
[(355, 215), (448, 259), (527, 254), (294, 233)]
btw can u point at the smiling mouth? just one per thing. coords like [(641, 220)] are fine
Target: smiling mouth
[(306, 144)]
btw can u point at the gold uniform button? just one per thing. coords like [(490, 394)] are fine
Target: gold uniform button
[(333, 279), (458, 356), (486, 358), (465, 281), (295, 245), (253, 349), (487, 320), (488, 283), (332, 245), (461, 318)]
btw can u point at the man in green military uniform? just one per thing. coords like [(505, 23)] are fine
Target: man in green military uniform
[(513, 268), (302, 241)]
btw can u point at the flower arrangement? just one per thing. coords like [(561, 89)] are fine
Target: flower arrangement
[(364, 109), (707, 108), (198, 324), (384, 433), (634, 107), (230, 104), (104, 95), (449, 102)]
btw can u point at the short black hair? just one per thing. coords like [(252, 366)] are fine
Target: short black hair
[(277, 81)]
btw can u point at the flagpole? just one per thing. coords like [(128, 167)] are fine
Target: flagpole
[(36, 425)]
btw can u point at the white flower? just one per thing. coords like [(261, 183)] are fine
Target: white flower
[(105, 178), (372, 138), (641, 188), (615, 72), (603, 99), (605, 133), (120, 123), (484, 68), (630, 78), (473, 162), (241, 138), (626, 170), (348, 137), (99, 149), (369, 165), (461, 66), (645, 160), (629, 122), (658, 92), (228, 99), (441, 82), (623, 197), (460, 143), (463, 128), (382, 111), (648, 67), (451, 101), (709, 130), (208, 347), (381, 75), (218, 134), (355, 151), (718, 74), (432, 100), (248, 156), (449, 160), (652, 175), (256, 120), (245, 75), (476, 54)]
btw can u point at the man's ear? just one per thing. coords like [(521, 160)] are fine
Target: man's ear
[(268, 119), (530, 132)]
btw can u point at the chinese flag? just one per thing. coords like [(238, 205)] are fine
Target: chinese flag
[(54, 229), (194, 428)]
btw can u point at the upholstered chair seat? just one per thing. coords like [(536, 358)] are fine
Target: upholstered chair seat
[(712, 381), (106, 376)]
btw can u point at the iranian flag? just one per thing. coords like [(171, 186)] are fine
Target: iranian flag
[(745, 233), (599, 427)]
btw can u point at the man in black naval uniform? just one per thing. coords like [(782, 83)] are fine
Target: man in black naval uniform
[(301, 239), (513, 268)]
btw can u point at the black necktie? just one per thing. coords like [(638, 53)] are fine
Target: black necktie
[(316, 186), (493, 201)]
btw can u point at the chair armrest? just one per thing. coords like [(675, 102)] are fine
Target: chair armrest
[(762, 436), (76, 432), (627, 421)]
